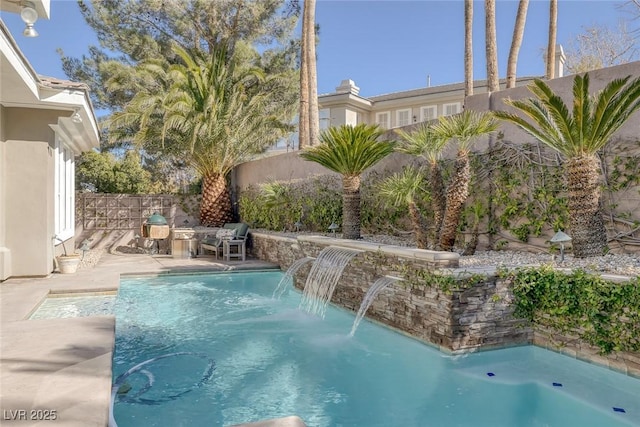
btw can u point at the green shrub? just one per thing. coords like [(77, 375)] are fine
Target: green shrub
[(603, 313)]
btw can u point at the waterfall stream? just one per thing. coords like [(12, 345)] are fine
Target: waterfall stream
[(371, 294), (323, 278)]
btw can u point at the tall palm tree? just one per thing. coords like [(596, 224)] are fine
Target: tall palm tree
[(209, 111), (491, 46), (551, 46), (468, 48), (578, 135), (310, 30), (464, 128), (404, 189), (309, 115), (303, 111), (423, 142), (516, 41), (349, 151)]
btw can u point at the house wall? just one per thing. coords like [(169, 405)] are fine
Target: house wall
[(5, 253), (29, 189)]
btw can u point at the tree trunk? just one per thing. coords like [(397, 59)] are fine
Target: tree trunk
[(351, 207), (457, 193), (516, 41), (215, 208), (303, 113), (419, 228), (468, 48), (493, 80), (314, 114), (551, 47), (438, 200), (587, 230)]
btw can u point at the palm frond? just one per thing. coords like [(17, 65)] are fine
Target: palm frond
[(349, 150), (421, 142), (465, 127), (403, 188)]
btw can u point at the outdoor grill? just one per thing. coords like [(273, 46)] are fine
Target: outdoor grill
[(183, 243), (155, 228)]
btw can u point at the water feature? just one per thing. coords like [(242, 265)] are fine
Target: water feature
[(287, 279), (371, 294), (323, 278)]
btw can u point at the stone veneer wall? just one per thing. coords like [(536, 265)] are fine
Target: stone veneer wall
[(477, 317)]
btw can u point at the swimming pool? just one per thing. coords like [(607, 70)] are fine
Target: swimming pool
[(227, 353)]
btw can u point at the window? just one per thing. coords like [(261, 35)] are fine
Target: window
[(64, 191), (324, 116), (403, 118), (428, 113), (450, 109), (382, 119)]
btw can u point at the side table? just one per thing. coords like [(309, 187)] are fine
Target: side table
[(239, 253)]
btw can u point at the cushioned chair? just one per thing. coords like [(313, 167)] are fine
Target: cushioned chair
[(233, 231)]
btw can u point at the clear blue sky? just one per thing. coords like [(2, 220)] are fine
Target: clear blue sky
[(384, 46)]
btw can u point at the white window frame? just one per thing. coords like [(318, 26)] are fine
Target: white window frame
[(423, 113), (457, 105), (398, 113), (387, 121), (64, 187)]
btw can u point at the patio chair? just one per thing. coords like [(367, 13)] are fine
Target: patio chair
[(234, 233)]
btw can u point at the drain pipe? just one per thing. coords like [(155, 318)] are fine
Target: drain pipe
[(53, 252)]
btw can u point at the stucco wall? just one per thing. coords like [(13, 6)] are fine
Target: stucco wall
[(5, 253), (29, 188), (291, 166), (562, 86)]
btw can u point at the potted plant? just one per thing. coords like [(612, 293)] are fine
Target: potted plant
[(67, 263)]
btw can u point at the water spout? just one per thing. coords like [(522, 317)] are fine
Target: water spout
[(287, 279), (371, 294), (323, 278)]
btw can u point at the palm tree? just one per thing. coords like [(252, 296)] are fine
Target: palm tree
[(578, 135), (211, 112), (424, 143), (468, 48), (551, 46), (464, 128), (516, 41), (493, 80), (308, 117), (303, 111), (404, 189), (310, 29), (349, 151)]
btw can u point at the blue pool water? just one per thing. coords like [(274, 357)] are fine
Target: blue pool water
[(228, 353)]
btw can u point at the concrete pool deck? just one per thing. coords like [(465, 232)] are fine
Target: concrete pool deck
[(58, 371)]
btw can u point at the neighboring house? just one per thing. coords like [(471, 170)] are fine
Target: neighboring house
[(398, 109), (44, 123)]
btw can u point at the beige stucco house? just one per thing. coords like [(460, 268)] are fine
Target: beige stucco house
[(44, 123), (345, 106)]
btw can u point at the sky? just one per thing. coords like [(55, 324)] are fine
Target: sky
[(384, 46)]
